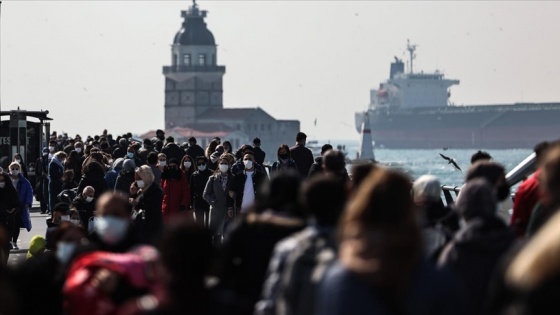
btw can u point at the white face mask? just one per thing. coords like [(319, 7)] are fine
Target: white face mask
[(64, 251), (14, 172), (140, 183), (202, 167), (79, 150), (75, 221), (224, 168), (187, 165), (2, 184), (89, 199), (64, 218), (111, 230), (51, 149), (18, 161), (248, 164), (162, 163)]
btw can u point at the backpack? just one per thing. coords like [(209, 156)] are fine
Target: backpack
[(305, 267)]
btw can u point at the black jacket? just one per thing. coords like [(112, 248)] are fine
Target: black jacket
[(277, 166), (150, 202), (172, 151), (198, 183), (237, 185), (124, 180), (93, 176), (195, 151), (303, 158), (473, 256), (259, 155), (316, 168)]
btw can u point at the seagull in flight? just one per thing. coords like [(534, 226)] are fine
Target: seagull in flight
[(451, 161)]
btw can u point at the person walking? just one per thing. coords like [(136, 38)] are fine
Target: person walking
[(176, 191), (302, 155), (216, 195), (284, 160), (22, 218), (198, 184)]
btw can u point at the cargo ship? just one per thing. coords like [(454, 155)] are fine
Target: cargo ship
[(411, 110)]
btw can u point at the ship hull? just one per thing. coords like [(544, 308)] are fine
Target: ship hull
[(476, 127)]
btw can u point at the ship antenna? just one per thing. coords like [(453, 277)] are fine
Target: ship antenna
[(411, 48)]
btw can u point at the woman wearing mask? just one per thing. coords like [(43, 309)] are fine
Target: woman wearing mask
[(19, 160), (198, 183), (188, 167), (285, 161), (56, 170), (176, 191), (9, 205), (113, 227), (22, 218), (216, 195), (162, 161), (211, 148), (147, 200)]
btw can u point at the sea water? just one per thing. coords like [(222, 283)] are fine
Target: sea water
[(428, 161)]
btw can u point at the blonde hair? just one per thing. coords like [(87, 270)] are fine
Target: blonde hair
[(145, 172), (14, 163)]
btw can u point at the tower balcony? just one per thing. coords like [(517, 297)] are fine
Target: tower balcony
[(194, 68)]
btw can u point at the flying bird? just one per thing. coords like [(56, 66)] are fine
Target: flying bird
[(451, 161)]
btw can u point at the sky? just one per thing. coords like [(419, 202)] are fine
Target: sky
[(98, 64)]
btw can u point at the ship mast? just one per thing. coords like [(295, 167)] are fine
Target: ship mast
[(411, 48)]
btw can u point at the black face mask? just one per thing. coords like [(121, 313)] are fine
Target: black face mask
[(283, 156), (502, 192)]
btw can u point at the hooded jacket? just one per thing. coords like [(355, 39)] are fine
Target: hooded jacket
[(473, 256)]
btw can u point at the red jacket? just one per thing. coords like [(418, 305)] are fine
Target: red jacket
[(176, 193), (526, 197)]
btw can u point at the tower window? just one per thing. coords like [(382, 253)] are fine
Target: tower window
[(202, 59), (187, 59)]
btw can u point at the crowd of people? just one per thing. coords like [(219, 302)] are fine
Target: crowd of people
[(161, 228)]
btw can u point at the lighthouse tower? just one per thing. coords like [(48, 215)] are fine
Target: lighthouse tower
[(193, 82)]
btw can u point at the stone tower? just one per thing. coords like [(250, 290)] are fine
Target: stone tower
[(193, 82)]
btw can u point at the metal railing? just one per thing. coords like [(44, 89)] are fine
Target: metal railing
[(513, 177)]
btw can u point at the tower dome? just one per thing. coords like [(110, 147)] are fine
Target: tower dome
[(194, 30)]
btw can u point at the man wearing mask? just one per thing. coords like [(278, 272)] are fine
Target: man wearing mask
[(85, 204), (79, 147), (246, 186), (302, 155), (198, 183)]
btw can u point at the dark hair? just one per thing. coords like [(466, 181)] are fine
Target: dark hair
[(491, 171), (285, 147), (170, 139), (152, 158), (359, 173), (300, 136), (281, 193), (193, 167), (324, 198), (480, 156), (325, 148), (192, 139), (256, 141), (334, 161), (147, 142)]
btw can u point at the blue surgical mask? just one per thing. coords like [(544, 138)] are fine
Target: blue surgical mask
[(202, 167), (110, 229), (64, 251), (130, 155)]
